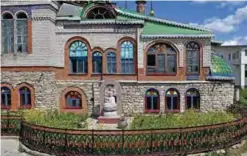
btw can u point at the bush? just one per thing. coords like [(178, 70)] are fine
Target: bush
[(187, 119), (53, 118), (243, 97)]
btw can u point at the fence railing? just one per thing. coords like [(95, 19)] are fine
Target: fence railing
[(144, 142), (10, 125)]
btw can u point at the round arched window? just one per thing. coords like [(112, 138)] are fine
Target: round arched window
[(100, 13)]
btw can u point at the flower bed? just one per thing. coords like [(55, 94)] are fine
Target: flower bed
[(187, 119)]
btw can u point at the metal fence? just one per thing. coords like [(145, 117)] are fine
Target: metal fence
[(128, 142), (10, 125)]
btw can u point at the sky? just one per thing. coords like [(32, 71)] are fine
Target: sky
[(227, 19)]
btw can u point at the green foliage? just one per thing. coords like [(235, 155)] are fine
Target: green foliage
[(53, 118), (243, 97), (187, 119)]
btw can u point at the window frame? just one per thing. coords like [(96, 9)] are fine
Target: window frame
[(77, 59), (97, 58), (198, 96), (128, 63), (111, 62), (26, 94), (22, 35), (198, 57), (146, 110), (4, 106), (178, 101), (166, 54), (10, 46), (73, 98)]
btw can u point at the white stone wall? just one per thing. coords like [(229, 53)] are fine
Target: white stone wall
[(214, 96)]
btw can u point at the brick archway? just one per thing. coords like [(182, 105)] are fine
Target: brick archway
[(63, 108)]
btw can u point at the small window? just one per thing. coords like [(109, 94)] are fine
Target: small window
[(111, 63), (172, 101), (245, 72), (97, 63), (5, 98), (152, 101), (245, 52), (25, 97), (78, 57), (73, 100), (229, 57), (193, 99)]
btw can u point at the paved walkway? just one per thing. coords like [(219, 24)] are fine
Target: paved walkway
[(9, 147)]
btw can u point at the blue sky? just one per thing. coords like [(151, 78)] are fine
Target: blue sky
[(227, 19)]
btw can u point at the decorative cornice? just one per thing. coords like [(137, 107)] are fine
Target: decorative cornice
[(176, 36), (43, 19), (155, 19), (141, 22)]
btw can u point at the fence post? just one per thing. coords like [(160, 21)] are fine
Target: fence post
[(21, 131), (151, 138), (92, 150), (122, 141)]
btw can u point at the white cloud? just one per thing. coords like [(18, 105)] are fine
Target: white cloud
[(240, 40), (227, 24)]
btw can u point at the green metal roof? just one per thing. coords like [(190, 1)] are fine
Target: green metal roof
[(219, 69)]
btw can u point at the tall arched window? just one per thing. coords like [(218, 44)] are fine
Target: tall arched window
[(21, 27), (73, 100), (172, 100), (5, 97), (161, 59), (7, 33), (78, 54), (25, 97), (193, 99), (97, 62), (127, 58), (152, 102), (111, 63), (193, 58)]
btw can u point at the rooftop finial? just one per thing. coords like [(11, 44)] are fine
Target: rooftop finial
[(152, 10)]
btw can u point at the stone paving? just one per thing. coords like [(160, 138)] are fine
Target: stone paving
[(9, 147)]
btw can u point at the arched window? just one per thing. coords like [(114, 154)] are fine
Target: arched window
[(78, 57), (73, 100), (193, 58), (6, 97), (152, 102), (7, 33), (100, 13), (172, 100), (193, 99), (127, 58), (25, 97), (161, 59), (111, 63), (97, 62), (21, 27)]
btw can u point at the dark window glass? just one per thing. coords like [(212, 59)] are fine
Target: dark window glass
[(7, 33), (5, 96), (97, 62), (78, 57), (25, 96), (152, 100), (127, 58), (172, 100), (193, 99), (193, 51), (111, 63), (161, 58), (100, 13), (73, 100)]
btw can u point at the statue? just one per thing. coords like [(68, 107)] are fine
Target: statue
[(110, 106)]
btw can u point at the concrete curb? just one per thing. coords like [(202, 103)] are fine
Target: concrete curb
[(10, 137), (23, 148)]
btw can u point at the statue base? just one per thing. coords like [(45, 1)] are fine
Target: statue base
[(109, 120)]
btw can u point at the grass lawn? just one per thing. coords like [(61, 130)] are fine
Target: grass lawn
[(187, 119)]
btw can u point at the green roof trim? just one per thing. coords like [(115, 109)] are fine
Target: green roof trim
[(219, 67)]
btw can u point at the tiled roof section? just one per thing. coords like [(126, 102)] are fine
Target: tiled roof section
[(157, 22), (219, 69)]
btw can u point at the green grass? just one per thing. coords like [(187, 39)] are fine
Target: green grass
[(187, 119)]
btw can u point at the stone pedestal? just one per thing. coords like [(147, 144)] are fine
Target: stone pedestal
[(109, 120)]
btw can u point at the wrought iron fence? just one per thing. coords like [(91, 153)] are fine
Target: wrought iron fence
[(10, 125), (128, 142)]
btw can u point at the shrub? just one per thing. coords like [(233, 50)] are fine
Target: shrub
[(243, 97), (53, 118), (187, 119)]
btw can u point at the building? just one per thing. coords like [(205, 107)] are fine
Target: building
[(73, 56), (236, 57)]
